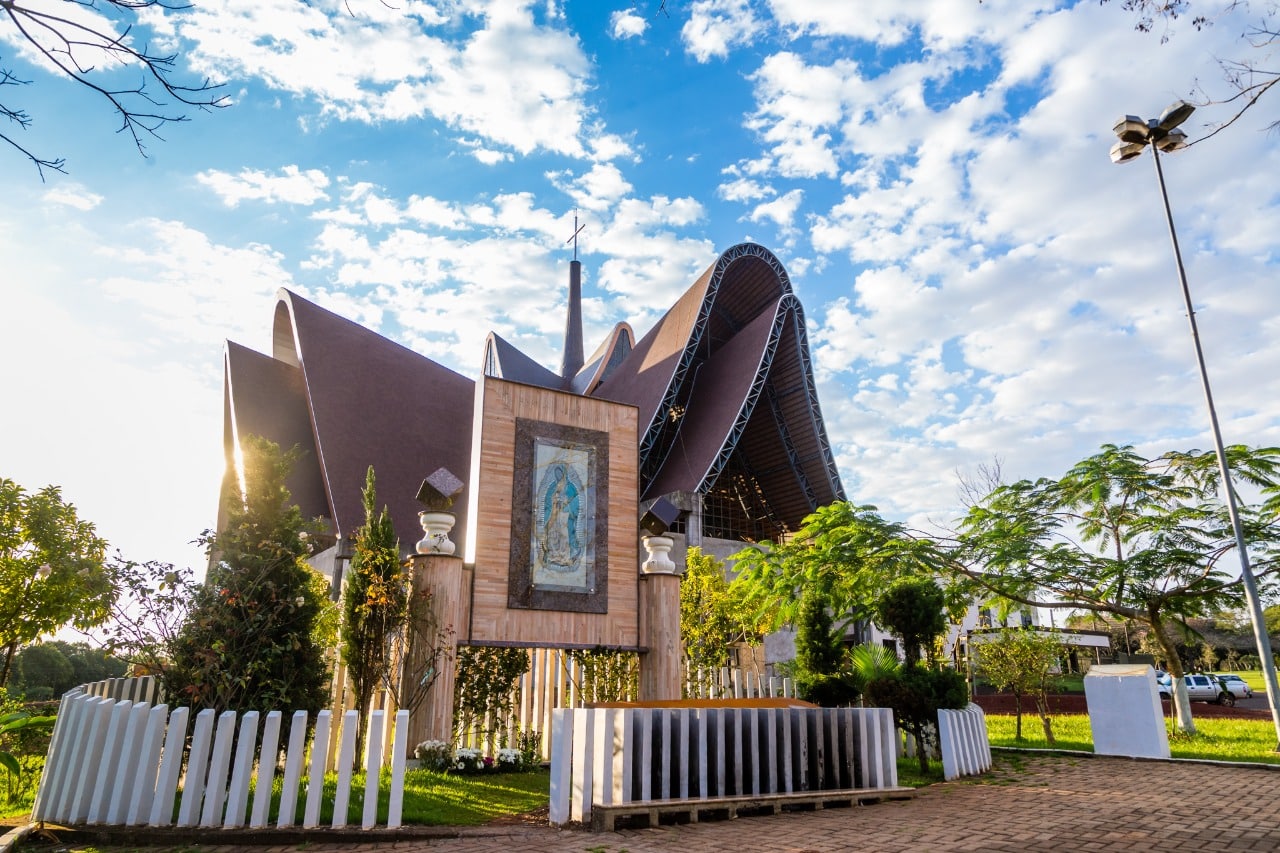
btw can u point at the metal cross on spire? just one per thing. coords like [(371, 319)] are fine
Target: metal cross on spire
[(577, 229)]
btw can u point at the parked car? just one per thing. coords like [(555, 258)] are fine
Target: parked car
[(1202, 688), (1236, 685)]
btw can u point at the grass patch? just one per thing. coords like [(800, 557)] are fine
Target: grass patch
[(909, 775), (1217, 739)]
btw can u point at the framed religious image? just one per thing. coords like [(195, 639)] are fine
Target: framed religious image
[(559, 500)]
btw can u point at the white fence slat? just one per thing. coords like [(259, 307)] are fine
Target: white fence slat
[(56, 781), (346, 756), (122, 790), (146, 776), (561, 764), (372, 770), (91, 756), (103, 765), (293, 769), (583, 740), (197, 768), (315, 779), (170, 766), (242, 770), (266, 770), (215, 790), (399, 749)]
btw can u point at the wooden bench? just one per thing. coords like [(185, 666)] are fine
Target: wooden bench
[(604, 817)]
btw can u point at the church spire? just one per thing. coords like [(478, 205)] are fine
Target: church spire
[(571, 361)]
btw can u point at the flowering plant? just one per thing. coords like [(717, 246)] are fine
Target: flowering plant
[(434, 754), (467, 759), (509, 759)]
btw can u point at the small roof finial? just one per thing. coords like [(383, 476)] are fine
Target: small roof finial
[(577, 229)]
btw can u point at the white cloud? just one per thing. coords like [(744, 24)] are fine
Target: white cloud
[(625, 24), (292, 185), (515, 82), (781, 211), (73, 195), (716, 26)]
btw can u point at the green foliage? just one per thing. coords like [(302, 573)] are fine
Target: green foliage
[(1021, 661), (482, 695), (11, 723), (913, 609), (821, 665), (54, 668), (1271, 618), (712, 618), (152, 605), (374, 603), (848, 551), (1136, 538), (607, 675), (916, 694), (869, 661), (249, 639), (52, 569)]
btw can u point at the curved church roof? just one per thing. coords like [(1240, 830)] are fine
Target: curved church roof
[(725, 389), (350, 398)]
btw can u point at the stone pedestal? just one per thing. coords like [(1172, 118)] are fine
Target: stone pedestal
[(440, 580), (659, 623)]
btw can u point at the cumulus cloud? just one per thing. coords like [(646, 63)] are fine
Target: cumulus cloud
[(625, 24), (716, 26), (515, 80), (292, 185)]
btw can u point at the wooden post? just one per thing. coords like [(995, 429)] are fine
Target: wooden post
[(659, 622), (441, 578)]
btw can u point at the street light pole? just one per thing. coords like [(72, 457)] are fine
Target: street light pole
[(1162, 134)]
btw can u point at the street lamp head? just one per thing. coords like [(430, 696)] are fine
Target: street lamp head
[(1131, 129), (1172, 141), (1174, 115), (1123, 152)]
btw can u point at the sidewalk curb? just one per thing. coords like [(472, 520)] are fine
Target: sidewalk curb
[(13, 837)]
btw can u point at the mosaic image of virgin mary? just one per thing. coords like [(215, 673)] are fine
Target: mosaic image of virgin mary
[(559, 494)]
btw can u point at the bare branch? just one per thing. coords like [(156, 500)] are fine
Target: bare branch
[(64, 42)]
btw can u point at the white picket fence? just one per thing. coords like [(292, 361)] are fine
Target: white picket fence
[(603, 756), (963, 740), (556, 680), (120, 762)]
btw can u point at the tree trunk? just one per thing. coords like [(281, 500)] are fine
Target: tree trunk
[(1017, 708), (7, 669), (1042, 706), (1181, 704)]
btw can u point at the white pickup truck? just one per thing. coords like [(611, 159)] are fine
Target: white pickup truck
[(1202, 688)]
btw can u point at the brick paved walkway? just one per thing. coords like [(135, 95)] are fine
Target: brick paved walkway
[(1041, 803)]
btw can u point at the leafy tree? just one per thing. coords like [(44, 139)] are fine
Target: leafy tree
[(1022, 661), (712, 618), (90, 42), (916, 694), (374, 604), (869, 661), (1271, 616), (913, 609), (52, 569), (42, 671), (249, 640), (848, 551), (1120, 534), (148, 614), (821, 667)]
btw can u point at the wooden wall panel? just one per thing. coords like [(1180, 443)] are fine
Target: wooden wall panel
[(492, 621)]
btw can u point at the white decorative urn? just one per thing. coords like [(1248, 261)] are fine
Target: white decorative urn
[(659, 561), (436, 527)]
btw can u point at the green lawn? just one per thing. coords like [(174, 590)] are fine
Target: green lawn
[(430, 798), (1218, 739)]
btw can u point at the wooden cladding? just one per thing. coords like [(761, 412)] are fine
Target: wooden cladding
[(500, 518)]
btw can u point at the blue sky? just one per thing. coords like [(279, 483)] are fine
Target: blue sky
[(979, 280)]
